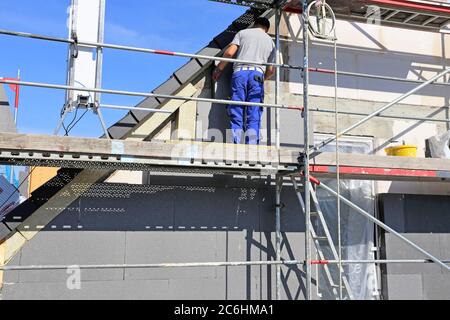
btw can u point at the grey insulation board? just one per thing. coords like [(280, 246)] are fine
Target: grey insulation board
[(182, 227), (424, 220)]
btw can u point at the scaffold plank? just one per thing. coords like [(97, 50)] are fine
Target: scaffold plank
[(145, 155)]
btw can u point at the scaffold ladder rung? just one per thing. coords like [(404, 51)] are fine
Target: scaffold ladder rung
[(325, 239), (320, 238)]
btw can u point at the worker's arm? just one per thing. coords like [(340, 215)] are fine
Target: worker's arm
[(269, 72), (230, 52)]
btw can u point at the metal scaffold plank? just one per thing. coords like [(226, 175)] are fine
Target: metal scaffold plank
[(421, 14)]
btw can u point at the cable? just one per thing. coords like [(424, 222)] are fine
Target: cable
[(74, 121), (66, 129), (81, 117)]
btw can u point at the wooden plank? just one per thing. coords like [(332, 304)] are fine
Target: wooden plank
[(8, 248), (163, 134), (388, 162), (206, 151), (2, 263), (147, 149), (157, 121), (186, 121)]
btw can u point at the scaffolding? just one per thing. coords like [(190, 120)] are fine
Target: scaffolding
[(292, 174)]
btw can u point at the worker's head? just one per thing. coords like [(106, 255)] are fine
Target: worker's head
[(262, 23)]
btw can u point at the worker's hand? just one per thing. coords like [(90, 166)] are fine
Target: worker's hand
[(216, 74)]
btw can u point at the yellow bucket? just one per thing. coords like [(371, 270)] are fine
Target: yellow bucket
[(402, 151)]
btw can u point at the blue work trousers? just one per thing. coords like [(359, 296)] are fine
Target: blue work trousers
[(248, 86)]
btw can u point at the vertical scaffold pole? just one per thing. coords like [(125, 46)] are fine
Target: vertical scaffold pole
[(99, 65), (279, 186), (277, 75), (338, 174), (307, 197), (100, 39), (279, 179)]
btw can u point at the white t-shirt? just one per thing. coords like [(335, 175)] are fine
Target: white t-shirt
[(254, 45)]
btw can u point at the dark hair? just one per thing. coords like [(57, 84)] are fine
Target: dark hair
[(263, 22)]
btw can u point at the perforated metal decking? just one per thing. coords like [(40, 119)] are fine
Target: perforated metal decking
[(431, 15)]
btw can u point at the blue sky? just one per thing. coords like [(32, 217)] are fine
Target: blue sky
[(178, 25)]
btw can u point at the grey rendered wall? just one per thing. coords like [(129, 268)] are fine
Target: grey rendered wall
[(424, 220), (172, 220)]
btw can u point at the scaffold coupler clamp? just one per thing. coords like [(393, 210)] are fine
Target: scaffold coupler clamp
[(74, 38), (301, 162), (301, 169), (299, 108), (94, 106)]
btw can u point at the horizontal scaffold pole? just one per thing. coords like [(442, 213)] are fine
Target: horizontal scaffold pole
[(204, 264), (142, 50), (149, 95), (384, 226), (205, 57), (150, 265)]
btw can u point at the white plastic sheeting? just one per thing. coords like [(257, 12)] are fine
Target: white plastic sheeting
[(357, 233), (440, 146)]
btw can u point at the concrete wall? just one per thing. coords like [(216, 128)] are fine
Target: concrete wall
[(424, 220)]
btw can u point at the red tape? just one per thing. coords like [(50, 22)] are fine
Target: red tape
[(296, 108), (321, 262), (321, 70), (167, 53)]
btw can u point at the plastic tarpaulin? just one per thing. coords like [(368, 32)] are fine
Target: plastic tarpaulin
[(440, 146), (357, 233)]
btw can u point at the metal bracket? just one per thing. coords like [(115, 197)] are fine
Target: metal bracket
[(75, 51), (301, 161), (281, 206)]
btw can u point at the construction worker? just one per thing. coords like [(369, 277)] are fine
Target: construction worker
[(247, 82)]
